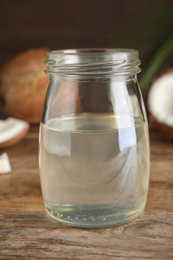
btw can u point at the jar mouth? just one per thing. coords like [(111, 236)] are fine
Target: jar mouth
[(97, 61)]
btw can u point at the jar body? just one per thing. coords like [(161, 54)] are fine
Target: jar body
[(94, 150)]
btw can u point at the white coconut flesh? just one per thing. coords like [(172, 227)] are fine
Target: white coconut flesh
[(5, 166), (12, 130), (160, 99)]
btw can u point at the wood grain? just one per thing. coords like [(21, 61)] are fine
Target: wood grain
[(27, 232)]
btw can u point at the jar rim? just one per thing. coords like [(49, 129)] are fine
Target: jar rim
[(93, 61), (93, 51)]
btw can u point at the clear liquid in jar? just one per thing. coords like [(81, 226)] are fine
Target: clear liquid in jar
[(94, 169)]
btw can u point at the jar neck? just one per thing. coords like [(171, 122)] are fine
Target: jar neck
[(93, 62)]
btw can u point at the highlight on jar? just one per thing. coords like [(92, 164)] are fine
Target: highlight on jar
[(94, 151)]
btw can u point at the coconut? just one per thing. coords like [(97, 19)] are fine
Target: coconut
[(160, 103), (12, 130), (5, 166), (24, 84)]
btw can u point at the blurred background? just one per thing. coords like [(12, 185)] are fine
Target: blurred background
[(144, 25)]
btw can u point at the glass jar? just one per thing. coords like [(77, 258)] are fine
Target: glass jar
[(94, 144)]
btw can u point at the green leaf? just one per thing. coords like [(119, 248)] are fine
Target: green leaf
[(147, 34), (155, 63)]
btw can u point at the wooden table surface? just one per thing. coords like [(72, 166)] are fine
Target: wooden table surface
[(27, 232)]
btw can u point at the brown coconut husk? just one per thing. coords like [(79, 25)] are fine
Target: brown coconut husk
[(24, 84)]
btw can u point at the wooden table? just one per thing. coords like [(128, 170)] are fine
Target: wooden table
[(27, 232)]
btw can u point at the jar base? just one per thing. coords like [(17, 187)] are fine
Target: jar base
[(95, 216)]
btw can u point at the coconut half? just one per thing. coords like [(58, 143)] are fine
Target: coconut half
[(12, 130), (160, 103)]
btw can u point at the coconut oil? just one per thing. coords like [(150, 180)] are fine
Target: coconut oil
[(94, 169)]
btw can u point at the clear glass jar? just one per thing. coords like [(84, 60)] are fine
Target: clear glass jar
[(94, 144)]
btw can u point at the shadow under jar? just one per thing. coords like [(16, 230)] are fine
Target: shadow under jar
[(94, 144)]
